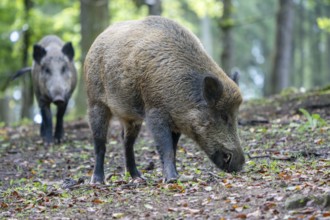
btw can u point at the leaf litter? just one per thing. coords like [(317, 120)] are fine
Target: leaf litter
[(286, 175)]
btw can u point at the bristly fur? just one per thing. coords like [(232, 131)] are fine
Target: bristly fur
[(158, 71)]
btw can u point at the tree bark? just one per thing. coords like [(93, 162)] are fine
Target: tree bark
[(94, 18), (283, 47), (226, 25), (27, 91)]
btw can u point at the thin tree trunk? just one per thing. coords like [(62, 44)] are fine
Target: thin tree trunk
[(327, 57), (27, 91), (154, 7), (94, 18), (227, 39), (4, 110), (315, 49), (206, 34), (283, 47), (301, 39)]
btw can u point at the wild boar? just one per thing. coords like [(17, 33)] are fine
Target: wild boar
[(54, 79), (155, 70)]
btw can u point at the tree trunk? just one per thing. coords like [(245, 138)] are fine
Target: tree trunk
[(206, 34), (316, 53), (4, 110), (301, 48), (154, 7), (94, 18), (327, 57), (27, 91), (283, 47), (226, 25)]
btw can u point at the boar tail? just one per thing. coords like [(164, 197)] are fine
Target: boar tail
[(21, 72)]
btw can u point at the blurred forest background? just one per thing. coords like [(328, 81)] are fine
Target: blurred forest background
[(274, 44)]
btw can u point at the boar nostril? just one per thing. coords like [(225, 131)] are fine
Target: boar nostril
[(227, 157)]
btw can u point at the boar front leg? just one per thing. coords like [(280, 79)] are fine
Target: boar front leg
[(131, 131), (99, 116), (59, 130), (46, 129), (159, 127)]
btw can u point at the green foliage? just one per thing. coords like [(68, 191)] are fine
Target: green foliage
[(313, 121), (324, 23), (212, 8)]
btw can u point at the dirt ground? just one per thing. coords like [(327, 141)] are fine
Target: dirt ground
[(286, 175)]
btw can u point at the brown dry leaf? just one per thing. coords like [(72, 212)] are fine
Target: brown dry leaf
[(16, 194), (326, 214), (97, 201), (3, 205), (175, 187), (285, 176), (268, 205), (319, 141), (241, 216)]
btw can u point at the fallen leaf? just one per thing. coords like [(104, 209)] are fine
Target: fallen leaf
[(172, 209), (148, 206), (241, 216), (3, 205), (255, 214), (326, 214), (97, 201), (118, 215), (208, 188), (193, 211)]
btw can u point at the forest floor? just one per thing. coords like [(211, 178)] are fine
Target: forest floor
[(286, 175)]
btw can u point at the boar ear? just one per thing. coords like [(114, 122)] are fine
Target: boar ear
[(68, 50), (212, 90), (38, 53), (235, 77)]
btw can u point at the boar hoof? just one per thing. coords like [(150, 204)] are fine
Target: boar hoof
[(171, 180), (97, 180), (58, 140), (139, 180), (47, 144)]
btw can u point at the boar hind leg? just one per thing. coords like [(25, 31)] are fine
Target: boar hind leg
[(99, 116), (131, 131), (46, 129), (59, 130), (175, 139), (161, 132)]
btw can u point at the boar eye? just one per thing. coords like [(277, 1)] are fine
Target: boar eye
[(225, 118), (47, 70), (63, 70)]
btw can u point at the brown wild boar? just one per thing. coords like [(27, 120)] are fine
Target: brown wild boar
[(156, 71), (54, 79)]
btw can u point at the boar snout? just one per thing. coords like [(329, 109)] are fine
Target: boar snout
[(228, 160), (58, 100)]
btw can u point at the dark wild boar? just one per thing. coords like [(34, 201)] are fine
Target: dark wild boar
[(54, 79), (156, 71)]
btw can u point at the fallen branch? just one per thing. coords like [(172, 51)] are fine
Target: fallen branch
[(291, 156)]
